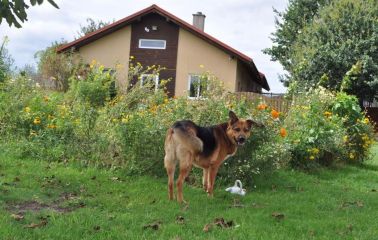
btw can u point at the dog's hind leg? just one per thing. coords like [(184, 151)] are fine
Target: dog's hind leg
[(170, 165), (186, 161), (205, 178)]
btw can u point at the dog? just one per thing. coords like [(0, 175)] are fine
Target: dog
[(205, 147)]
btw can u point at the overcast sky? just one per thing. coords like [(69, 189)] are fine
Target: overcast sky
[(243, 24)]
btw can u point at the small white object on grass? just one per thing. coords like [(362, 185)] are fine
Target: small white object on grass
[(237, 188)]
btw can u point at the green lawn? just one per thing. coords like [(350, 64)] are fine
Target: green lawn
[(70, 202)]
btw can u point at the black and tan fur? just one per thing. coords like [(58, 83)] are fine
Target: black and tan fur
[(205, 147)]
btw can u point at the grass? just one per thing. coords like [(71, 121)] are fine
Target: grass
[(66, 201)]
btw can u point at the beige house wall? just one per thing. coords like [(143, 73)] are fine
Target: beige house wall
[(109, 51), (193, 52)]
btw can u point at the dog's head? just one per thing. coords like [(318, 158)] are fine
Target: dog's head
[(238, 130)]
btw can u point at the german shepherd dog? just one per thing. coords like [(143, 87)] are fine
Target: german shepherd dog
[(204, 147)]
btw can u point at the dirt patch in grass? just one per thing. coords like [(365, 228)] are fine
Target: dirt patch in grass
[(34, 206)]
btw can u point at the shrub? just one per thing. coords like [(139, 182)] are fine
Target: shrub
[(326, 127), (139, 121), (86, 124), (56, 69), (359, 130)]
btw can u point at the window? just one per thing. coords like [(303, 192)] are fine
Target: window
[(152, 43), (197, 84), (150, 79)]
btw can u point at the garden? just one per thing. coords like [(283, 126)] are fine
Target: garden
[(69, 156), (84, 159)]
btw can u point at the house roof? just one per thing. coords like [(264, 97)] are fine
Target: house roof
[(156, 9)]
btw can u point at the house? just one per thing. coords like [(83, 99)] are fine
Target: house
[(154, 36)]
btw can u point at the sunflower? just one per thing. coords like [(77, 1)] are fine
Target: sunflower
[(37, 121)]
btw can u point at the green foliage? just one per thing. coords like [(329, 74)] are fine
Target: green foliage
[(93, 89), (359, 130), (56, 69), (6, 60), (128, 131), (289, 25), (91, 26), (13, 10), (344, 34), (325, 127), (323, 44), (315, 134)]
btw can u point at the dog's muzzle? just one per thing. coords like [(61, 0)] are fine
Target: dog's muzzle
[(240, 141)]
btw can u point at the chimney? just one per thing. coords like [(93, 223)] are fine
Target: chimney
[(199, 20)]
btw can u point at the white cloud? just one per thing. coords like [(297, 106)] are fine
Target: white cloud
[(243, 24)]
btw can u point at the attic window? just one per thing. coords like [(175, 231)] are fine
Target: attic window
[(152, 43)]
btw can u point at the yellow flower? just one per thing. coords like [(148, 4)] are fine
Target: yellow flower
[(27, 109), (166, 100), (50, 117), (312, 157), (201, 66), (114, 120), (125, 119), (327, 114), (37, 121), (33, 133), (51, 126), (315, 151), (365, 137), (229, 105), (366, 120), (351, 155), (46, 98), (132, 57), (345, 138), (93, 63)]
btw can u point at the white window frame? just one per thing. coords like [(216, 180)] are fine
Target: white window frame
[(152, 76), (198, 88), (152, 40)]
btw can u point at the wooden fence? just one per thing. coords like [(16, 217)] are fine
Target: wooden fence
[(280, 103), (372, 112), (273, 100)]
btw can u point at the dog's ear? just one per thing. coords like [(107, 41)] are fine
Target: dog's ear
[(233, 117), (252, 123)]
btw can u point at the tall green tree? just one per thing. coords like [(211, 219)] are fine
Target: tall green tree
[(333, 43), (341, 43), (14, 11), (290, 24), (6, 60), (90, 26), (57, 68)]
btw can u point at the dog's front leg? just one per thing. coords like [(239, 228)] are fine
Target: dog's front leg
[(213, 170)]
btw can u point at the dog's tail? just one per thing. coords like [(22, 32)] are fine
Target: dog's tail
[(188, 138)]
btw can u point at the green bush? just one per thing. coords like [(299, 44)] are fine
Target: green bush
[(359, 130), (86, 124), (325, 127)]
